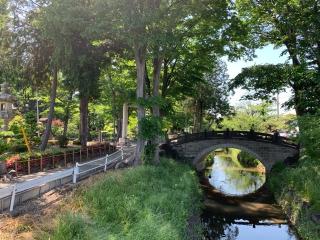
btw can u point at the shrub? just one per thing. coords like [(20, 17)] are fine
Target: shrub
[(63, 141), (18, 147), (57, 127), (16, 124), (148, 154), (247, 160), (309, 134), (3, 146)]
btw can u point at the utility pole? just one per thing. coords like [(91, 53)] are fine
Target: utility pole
[(278, 105)]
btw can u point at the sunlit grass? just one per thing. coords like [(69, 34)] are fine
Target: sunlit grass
[(297, 190), (147, 202)]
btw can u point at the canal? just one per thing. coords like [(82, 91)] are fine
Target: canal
[(238, 205)]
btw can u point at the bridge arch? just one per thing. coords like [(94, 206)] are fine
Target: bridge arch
[(198, 160), (268, 149)]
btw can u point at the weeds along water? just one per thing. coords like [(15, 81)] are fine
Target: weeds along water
[(147, 202)]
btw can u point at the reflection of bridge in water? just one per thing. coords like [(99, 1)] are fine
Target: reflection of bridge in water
[(267, 148)]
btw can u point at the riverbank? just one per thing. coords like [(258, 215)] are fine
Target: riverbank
[(147, 202), (297, 191)]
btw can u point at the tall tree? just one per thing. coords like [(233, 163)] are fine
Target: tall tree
[(76, 53), (291, 24)]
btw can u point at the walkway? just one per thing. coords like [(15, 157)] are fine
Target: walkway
[(34, 185), (23, 178)]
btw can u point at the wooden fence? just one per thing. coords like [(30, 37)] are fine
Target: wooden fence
[(62, 160)]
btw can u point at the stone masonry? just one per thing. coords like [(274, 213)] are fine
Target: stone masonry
[(268, 153)]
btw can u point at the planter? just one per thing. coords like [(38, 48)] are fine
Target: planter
[(3, 168)]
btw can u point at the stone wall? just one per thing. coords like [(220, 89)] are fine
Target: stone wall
[(267, 153)]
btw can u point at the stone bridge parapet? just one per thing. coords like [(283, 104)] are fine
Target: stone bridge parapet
[(267, 148)]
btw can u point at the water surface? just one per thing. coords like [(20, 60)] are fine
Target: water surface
[(234, 182)]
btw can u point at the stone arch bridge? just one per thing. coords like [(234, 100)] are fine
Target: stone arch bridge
[(269, 149)]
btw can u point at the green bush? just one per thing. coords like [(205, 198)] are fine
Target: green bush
[(297, 189), (309, 134), (18, 147), (3, 146), (63, 141), (16, 124), (6, 134), (148, 154), (247, 160), (147, 202)]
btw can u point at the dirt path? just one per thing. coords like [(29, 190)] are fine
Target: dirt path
[(33, 216)]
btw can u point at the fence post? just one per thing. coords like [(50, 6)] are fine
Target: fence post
[(29, 168), (75, 173), (41, 163), (121, 153), (80, 154), (13, 197), (106, 162)]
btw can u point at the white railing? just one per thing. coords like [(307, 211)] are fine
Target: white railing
[(100, 163), (76, 171), (24, 186)]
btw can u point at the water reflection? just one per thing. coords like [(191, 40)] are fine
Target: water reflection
[(222, 228), (224, 218), (230, 177)]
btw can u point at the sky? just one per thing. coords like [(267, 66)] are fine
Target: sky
[(266, 55)]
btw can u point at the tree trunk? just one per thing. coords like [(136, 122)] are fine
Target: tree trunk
[(140, 58), (119, 128), (53, 95), (84, 102), (67, 116), (147, 81), (157, 62)]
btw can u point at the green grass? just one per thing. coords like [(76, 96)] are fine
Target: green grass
[(298, 192), (298, 189), (147, 202)]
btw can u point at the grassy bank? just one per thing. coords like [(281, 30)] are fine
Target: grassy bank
[(297, 189), (147, 202)]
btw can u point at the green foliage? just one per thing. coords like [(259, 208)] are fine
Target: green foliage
[(146, 202), (260, 118), (293, 25), (151, 102), (264, 81), (16, 124), (310, 132), (297, 188), (151, 127), (247, 160), (148, 155), (6, 134), (3, 146), (57, 127), (32, 127), (63, 141), (71, 226)]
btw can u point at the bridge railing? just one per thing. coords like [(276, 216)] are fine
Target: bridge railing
[(248, 135)]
